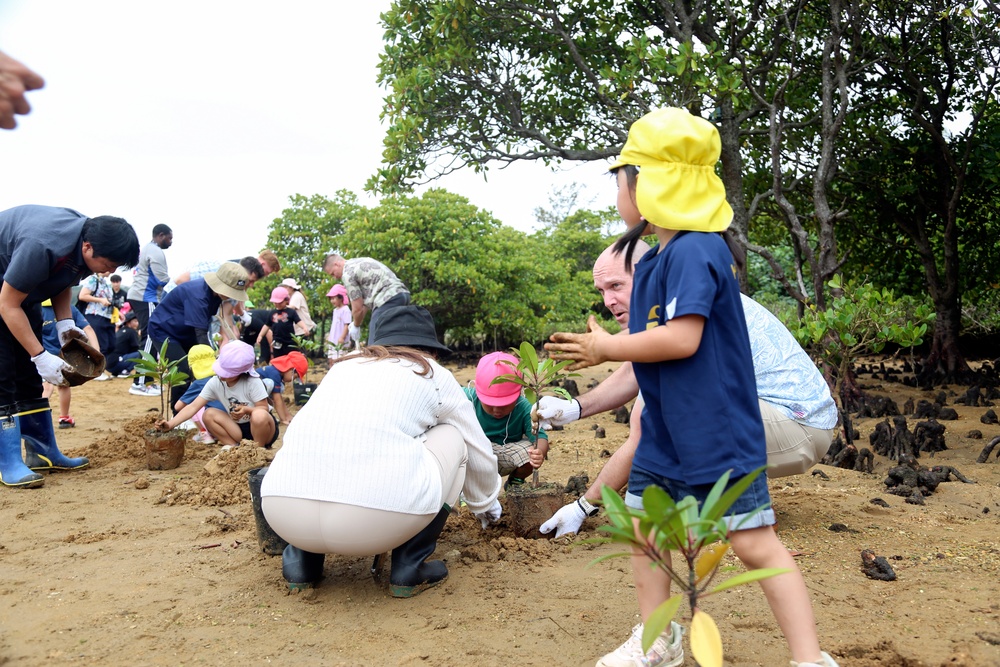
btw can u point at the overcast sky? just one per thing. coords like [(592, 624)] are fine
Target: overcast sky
[(207, 115)]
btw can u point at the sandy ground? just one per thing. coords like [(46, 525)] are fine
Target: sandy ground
[(120, 565)]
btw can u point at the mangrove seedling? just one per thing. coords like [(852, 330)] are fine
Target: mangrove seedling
[(163, 372)]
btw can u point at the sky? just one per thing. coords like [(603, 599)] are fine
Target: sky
[(208, 115)]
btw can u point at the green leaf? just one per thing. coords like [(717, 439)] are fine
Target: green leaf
[(659, 620), (748, 577)]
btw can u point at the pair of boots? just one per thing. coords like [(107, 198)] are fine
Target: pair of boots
[(41, 451), (409, 573)]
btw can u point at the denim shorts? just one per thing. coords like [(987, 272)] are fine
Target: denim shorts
[(755, 496)]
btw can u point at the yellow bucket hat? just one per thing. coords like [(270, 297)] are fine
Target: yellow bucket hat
[(677, 186), (200, 359)]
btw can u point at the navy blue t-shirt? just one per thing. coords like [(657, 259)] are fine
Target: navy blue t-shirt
[(701, 416), (186, 308), (41, 250), (272, 373)]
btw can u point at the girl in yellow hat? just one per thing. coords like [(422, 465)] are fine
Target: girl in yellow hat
[(690, 352)]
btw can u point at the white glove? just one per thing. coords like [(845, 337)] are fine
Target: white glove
[(50, 367), (68, 330), (354, 332), (554, 411), (491, 515), (567, 520), (246, 319)]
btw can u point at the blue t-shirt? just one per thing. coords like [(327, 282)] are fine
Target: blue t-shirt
[(701, 416), (41, 250), (50, 337), (273, 374), (188, 307)]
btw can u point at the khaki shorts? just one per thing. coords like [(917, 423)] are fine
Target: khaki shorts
[(511, 456), (792, 448)]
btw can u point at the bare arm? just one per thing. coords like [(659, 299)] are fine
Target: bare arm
[(678, 339), (618, 389), (615, 472), (183, 278), (358, 310), (15, 319)]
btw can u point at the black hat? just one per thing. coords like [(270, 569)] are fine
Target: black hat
[(410, 325), (129, 316)]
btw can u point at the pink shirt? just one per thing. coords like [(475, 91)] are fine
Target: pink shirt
[(341, 320)]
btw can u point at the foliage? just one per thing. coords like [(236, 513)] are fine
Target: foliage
[(862, 319), (161, 371), (537, 378), (304, 234), (701, 537)]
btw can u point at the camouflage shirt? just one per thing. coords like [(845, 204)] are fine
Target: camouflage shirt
[(371, 281)]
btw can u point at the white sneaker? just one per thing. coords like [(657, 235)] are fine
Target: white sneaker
[(827, 661), (187, 426), (666, 651), (140, 390), (102, 377)]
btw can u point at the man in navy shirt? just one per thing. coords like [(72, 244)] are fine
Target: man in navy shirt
[(44, 252)]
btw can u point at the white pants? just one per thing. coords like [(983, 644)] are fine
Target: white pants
[(338, 528)]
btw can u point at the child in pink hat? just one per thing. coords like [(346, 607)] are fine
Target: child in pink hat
[(505, 417), (340, 344), (238, 387), (280, 327)]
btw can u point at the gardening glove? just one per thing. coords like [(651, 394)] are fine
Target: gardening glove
[(491, 515), (51, 367), (354, 332), (554, 411), (68, 330), (567, 520), (246, 319)]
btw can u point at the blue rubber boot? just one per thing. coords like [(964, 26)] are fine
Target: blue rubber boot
[(301, 569), (40, 449), (409, 571), (13, 472)]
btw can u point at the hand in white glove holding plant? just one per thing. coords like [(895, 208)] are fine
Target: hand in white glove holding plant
[(68, 330), (554, 411), (569, 518), (354, 332), (490, 515)]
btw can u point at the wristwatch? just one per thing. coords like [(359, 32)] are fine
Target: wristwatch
[(588, 509)]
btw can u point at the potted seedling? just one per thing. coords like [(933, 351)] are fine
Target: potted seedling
[(530, 505), (164, 450), (700, 538)]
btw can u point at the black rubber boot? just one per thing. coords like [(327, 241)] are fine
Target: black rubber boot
[(301, 569), (40, 449), (410, 572), (13, 472)]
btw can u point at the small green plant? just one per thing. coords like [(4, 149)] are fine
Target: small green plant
[(537, 378), (307, 344), (162, 371), (700, 537)]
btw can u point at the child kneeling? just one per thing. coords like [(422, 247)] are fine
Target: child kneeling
[(238, 386)]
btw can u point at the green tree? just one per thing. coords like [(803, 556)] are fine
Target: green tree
[(302, 236)]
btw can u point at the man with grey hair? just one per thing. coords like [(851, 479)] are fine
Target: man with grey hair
[(371, 285)]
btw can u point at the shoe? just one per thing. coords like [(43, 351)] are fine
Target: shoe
[(666, 651), (187, 425), (124, 374), (67, 422), (103, 377), (513, 481), (204, 438), (140, 390), (827, 661)]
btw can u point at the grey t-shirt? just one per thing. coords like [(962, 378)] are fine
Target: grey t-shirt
[(150, 275), (41, 250), (247, 391)]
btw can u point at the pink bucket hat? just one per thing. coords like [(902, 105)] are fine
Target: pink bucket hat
[(492, 366), (235, 358), (278, 294), (338, 290)]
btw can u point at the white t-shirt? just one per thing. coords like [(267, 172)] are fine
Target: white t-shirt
[(360, 440), (247, 391)]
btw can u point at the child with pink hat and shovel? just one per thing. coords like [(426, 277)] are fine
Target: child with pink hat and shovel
[(339, 342)]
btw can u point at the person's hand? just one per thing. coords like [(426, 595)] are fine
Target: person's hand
[(15, 80), (583, 349), (246, 319), (354, 331), (50, 367), (162, 425), (490, 515), (567, 520), (105, 301), (536, 457), (554, 411), (68, 330)]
